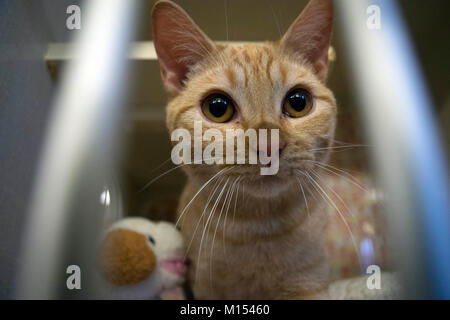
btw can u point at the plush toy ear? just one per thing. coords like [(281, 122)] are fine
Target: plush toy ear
[(125, 257), (179, 44), (310, 34)]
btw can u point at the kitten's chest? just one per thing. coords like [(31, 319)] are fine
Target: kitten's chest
[(230, 271), (233, 263), (237, 257)]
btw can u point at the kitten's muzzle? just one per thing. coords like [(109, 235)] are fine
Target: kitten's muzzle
[(268, 148)]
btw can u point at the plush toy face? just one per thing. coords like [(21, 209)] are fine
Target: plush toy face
[(135, 249)]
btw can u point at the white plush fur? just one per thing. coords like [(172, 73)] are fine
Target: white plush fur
[(168, 244)]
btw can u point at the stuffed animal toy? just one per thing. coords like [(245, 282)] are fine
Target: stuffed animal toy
[(139, 259)]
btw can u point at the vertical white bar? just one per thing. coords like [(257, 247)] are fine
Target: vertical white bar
[(79, 150), (406, 149)]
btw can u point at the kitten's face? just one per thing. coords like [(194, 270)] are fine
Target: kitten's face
[(261, 83)]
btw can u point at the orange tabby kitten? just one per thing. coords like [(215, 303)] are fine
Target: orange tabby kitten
[(252, 236)]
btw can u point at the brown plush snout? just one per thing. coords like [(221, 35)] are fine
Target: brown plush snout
[(125, 257)]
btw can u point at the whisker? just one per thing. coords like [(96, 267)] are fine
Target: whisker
[(347, 176), (214, 236), (206, 226), (198, 192), (226, 18), (224, 228), (330, 201), (336, 194), (161, 175), (235, 201), (341, 147), (304, 197), (275, 18), (208, 198), (211, 194), (167, 172), (342, 142), (159, 166)]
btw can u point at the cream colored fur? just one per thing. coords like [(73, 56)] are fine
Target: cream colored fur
[(257, 237)]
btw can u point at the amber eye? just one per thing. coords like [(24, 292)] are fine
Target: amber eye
[(298, 103), (218, 108)]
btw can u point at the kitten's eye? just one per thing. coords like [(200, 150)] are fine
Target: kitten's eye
[(218, 108), (152, 240), (298, 103)]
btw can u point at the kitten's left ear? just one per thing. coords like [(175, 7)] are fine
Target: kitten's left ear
[(310, 34)]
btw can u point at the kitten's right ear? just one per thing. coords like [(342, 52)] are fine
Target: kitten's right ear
[(179, 44)]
